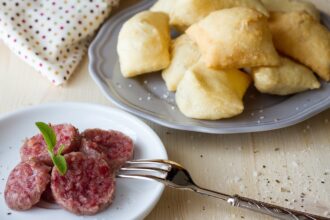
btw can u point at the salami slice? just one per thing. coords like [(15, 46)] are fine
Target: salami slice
[(87, 187), (25, 184), (115, 147), (47, 195), (35, 147)]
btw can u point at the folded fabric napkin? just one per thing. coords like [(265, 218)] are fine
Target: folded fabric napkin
[(52, 35)]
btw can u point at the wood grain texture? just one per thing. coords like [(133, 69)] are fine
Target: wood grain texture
[(288, 167)]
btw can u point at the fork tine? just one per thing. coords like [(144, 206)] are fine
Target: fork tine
[(147, 169), (135, 176), (142, 172), (152, 164), (168, 162)]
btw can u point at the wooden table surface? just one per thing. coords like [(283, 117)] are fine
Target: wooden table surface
[(289, 167)]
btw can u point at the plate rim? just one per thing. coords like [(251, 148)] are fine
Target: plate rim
[(27, 109), (94, 64)]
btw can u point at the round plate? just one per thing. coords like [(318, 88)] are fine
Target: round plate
[(148, 97), (134, 198)]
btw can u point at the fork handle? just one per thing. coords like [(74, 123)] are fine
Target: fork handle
[(271, 210)]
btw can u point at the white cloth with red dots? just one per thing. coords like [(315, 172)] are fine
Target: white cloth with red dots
[(52, 35)]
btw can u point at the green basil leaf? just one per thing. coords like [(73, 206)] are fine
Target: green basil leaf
[(50, 139), (48, 134), (59, 151), (60, 164)]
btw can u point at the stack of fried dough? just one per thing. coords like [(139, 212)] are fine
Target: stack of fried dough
[(225, 45)]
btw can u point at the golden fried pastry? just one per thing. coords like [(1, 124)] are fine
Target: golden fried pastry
[(291, 5), (234, 38), (184, 53), (166, 6), (184, 13), (288, 78), (206, 93), (299, 36), (143, 44)]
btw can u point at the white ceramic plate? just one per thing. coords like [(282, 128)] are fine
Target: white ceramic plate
[(134, 198)]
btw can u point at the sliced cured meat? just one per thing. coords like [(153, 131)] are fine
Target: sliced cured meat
[(35, 147), (115, 147), (25, 184), (92, 149), (87, 187), (47, 195)]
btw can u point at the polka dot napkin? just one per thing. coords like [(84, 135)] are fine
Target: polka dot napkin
[(52, 35)]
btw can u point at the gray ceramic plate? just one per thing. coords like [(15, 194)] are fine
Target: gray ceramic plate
[(147, 96)]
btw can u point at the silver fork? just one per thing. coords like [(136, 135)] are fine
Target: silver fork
[(174, 175)]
